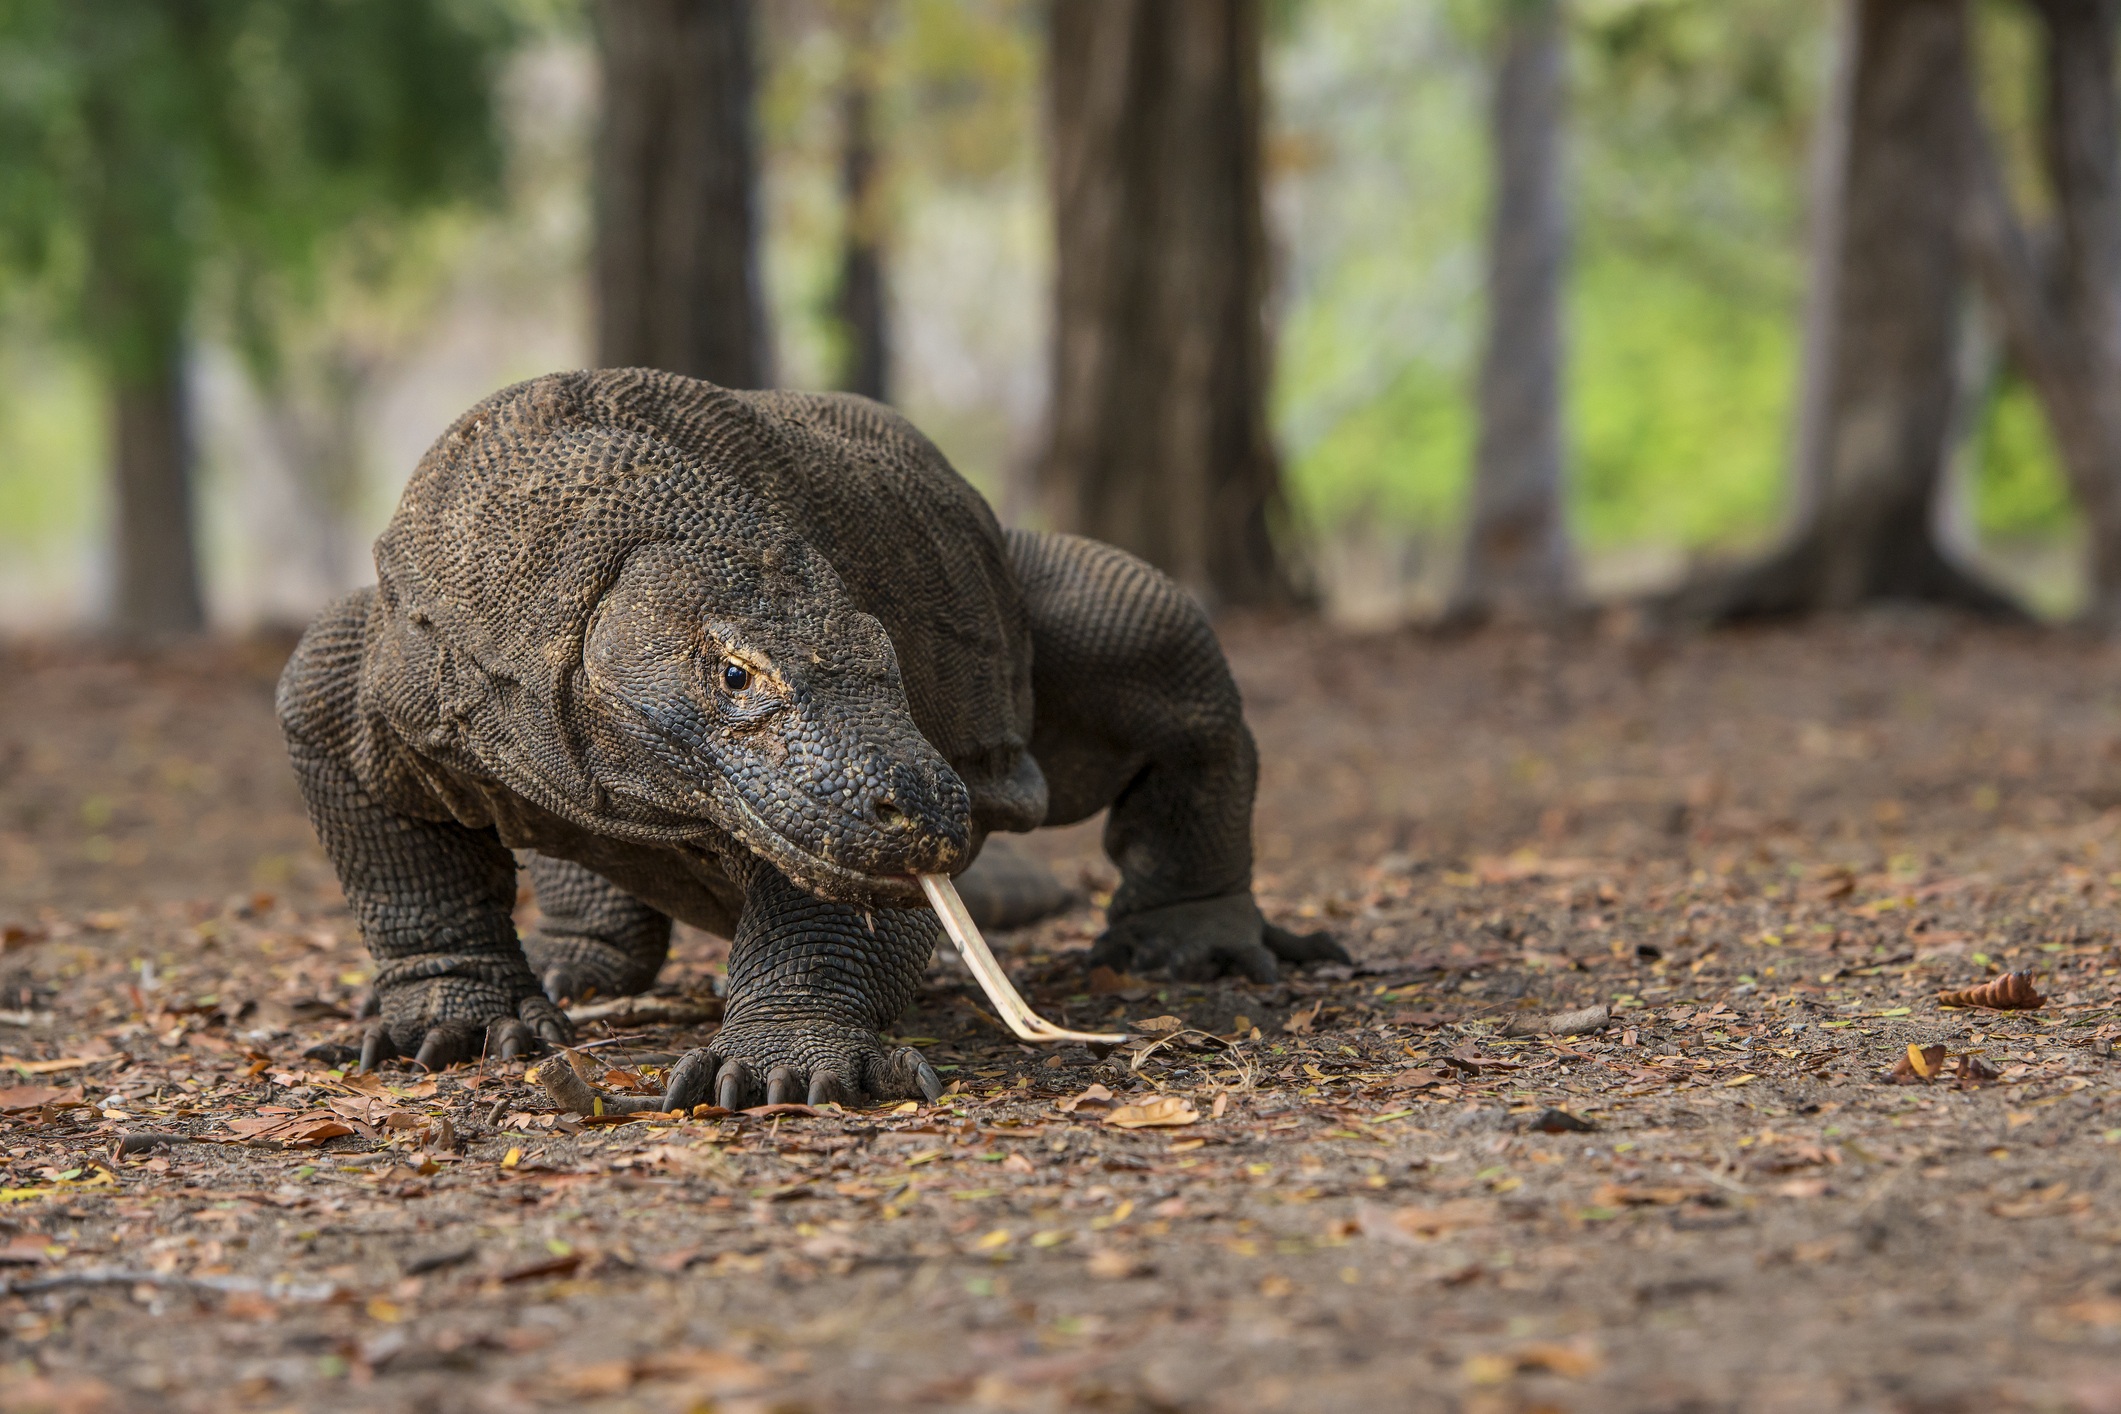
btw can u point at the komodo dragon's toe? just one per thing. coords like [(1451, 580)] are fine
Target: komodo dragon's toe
[(749, 1066), (440, 1021)]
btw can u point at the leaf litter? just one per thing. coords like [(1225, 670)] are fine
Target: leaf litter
[(1772, 949)]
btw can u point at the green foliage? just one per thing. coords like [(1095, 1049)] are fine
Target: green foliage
[(1689, 124), (147, 146), (2020, 492), (1678, 405)]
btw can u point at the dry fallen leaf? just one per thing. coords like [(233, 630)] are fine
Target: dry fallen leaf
[(303, 1130), (1920, 1065), (19, 1098), (2013, 991), (1303, 1019), (1096, 1097), (1163, 1110), (1104, 982), (1158, 1025)]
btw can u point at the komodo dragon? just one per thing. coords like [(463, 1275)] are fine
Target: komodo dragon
[(751, 660)]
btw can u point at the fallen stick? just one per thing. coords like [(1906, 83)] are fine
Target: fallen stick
[(575, 1095), (1008, 1002), (223, 1286), (1564, 1023)]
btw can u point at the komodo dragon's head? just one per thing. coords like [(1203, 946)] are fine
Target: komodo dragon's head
[(740, 682), (588, 607)]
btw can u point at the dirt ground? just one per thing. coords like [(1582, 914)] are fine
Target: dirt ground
[(1767, 854)]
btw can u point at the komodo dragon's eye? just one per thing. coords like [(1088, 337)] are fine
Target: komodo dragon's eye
[(735, 677)]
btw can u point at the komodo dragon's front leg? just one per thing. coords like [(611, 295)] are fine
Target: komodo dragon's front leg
[(434, 899), (811, 986)]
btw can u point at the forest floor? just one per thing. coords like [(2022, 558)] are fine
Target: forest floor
[(1766, 853)]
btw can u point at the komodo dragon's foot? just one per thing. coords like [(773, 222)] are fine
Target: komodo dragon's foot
[(777, 1063), (1217, 937), (574, 968), (439, 1021)]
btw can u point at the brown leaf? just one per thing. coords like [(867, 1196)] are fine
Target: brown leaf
[(1302, 1020), (26, 1249), (1096, 1096), (1920, 1065), (2013, 991), (1162, 1111), (1104, 982), (306, 1129), (1973, 1070), (17, 1099), (1416, 1079), (1158, 1025)]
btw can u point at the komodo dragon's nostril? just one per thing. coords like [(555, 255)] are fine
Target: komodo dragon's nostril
[(889, 815)]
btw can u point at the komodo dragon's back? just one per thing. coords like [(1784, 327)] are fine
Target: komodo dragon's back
[(520, 515)]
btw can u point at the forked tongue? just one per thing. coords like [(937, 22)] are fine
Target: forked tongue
[(1014, 1010)]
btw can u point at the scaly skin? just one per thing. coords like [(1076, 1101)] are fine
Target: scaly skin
[(751, 660)]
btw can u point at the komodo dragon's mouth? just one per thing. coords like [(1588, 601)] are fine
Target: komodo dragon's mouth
[(865, 887)]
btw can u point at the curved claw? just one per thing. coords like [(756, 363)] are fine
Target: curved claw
[(376, 1047), (691, 1080), (733, 1085), (828, 1089), (435, 1047), (784, 1086), (909, 1070), (560, 985), (1303, 947)]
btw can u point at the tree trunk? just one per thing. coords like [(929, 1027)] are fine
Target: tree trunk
[(865, 365), (1158, 440), (138, 292), (1518, 562), (2060, 299), (157, 581), (1893, 371), (1824, 182), (677, 210)]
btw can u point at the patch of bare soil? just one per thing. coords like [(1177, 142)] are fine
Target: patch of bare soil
[(1775, 1172)]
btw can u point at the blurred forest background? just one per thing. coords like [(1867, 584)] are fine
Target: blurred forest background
[(1680, 278)]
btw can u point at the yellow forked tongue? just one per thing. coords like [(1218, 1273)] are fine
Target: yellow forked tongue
[(942, 894)]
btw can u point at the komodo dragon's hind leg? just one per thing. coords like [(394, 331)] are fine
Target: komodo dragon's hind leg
[(595, 936), (1135, 709)]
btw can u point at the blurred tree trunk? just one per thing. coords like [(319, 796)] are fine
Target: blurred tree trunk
[(1824, 184), (137, 293), (861, 302), (157, 589), (677, 274), (2060, 295), (1892, 369), (1159, 440), (1518, 561)]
